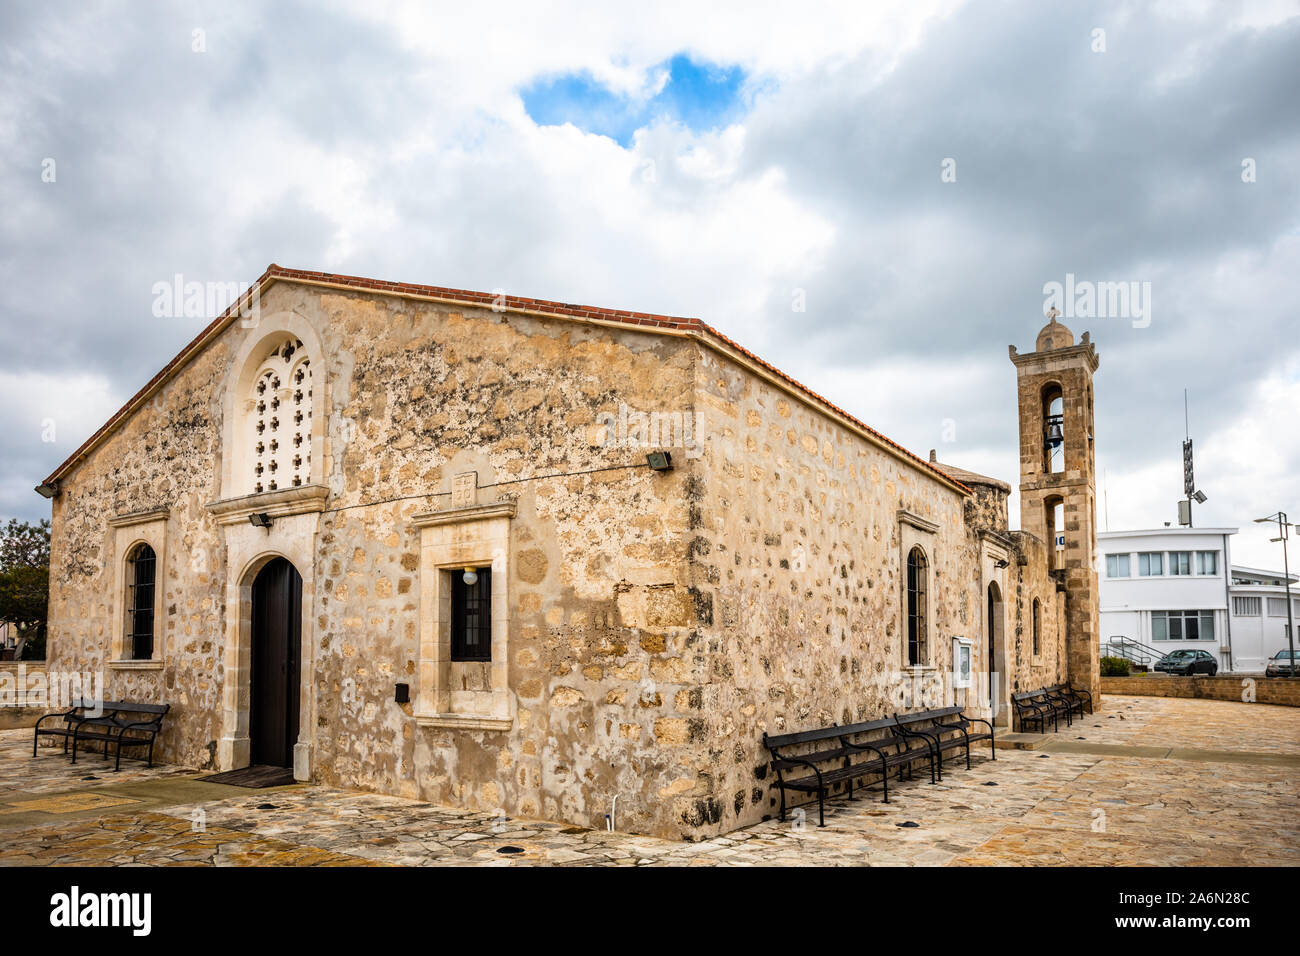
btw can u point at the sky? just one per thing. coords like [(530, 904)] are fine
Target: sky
[(874, 197)]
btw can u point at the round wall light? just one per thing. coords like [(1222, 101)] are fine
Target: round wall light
[(471, 576)]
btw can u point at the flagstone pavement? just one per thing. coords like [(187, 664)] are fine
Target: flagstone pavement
[(1144, 781)]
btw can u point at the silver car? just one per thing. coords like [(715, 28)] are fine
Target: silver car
[(1283, 664)]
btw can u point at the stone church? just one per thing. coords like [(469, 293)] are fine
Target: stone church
[(556, 560)]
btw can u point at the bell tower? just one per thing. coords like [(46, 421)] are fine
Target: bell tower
[(1058, 488)]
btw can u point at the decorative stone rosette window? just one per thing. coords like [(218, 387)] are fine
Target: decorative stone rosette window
[(279, 420)]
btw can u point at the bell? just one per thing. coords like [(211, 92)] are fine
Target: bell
[(1054, 435)]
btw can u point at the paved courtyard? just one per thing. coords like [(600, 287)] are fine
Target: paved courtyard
[(1144, 781)]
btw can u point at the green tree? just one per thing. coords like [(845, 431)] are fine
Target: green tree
[(25, 582)]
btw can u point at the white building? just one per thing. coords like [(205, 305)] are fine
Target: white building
[(1259, 618), (1167, 589)]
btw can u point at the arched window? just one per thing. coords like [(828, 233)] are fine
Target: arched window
[(141, 571), (1038, 631), (279, 419), (1053, 429), (916, 574)]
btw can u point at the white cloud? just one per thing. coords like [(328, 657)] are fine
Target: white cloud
[(390, 139)]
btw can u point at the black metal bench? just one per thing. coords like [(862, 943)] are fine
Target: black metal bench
[(1039, 706), (946, 728), (65, 722), (1067, 696), (115, 728), (1076, 699), (841, 754)]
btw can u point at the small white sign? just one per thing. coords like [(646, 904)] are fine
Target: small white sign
[(962, 651)]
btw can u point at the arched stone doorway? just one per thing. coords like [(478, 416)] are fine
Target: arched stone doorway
[(293, 514), (276, 639)]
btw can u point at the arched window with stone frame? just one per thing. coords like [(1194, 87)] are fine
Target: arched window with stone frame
[(141, 580), (917, 569)]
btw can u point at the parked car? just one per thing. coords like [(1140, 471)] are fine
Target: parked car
[(1188, 663), (1282, 664)]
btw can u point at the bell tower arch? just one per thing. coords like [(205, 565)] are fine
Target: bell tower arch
[(1058, 488)]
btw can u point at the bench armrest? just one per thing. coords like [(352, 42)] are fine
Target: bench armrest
[(872, 747), (979, 720), (931, 740), (71, 712)]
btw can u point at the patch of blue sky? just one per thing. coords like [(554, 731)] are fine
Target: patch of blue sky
[(700, 96)]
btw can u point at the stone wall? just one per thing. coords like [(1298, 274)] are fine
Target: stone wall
[(1266, 690), (166, 454), (798, 559), (1048, 667), (601, 619), (986, 507)]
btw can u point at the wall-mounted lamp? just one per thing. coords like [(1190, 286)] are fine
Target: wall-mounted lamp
[(260, 520), (1001, 563), (659, 461), (49, 490), (470, 577), (402, 693)]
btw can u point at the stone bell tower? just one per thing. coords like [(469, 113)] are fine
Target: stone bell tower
[(1058, 488)]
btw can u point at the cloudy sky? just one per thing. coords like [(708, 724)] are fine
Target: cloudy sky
[(912, 176)]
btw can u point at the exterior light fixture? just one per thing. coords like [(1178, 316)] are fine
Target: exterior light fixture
[(1199, 497), (659, 461), (1001, 563), (402, 693), (260, 520), (470, 576), (48, 490)]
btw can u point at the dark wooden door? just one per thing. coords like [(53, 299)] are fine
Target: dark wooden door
[(273, 691)]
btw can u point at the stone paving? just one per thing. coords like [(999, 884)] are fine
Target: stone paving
[(1191, 724), (1232, 804)]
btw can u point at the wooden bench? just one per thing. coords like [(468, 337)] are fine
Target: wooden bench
[(115, 728), (1039, 706), (945, 728), (842, 754)]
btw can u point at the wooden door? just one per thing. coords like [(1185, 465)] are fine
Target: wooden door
[(276, 639)]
